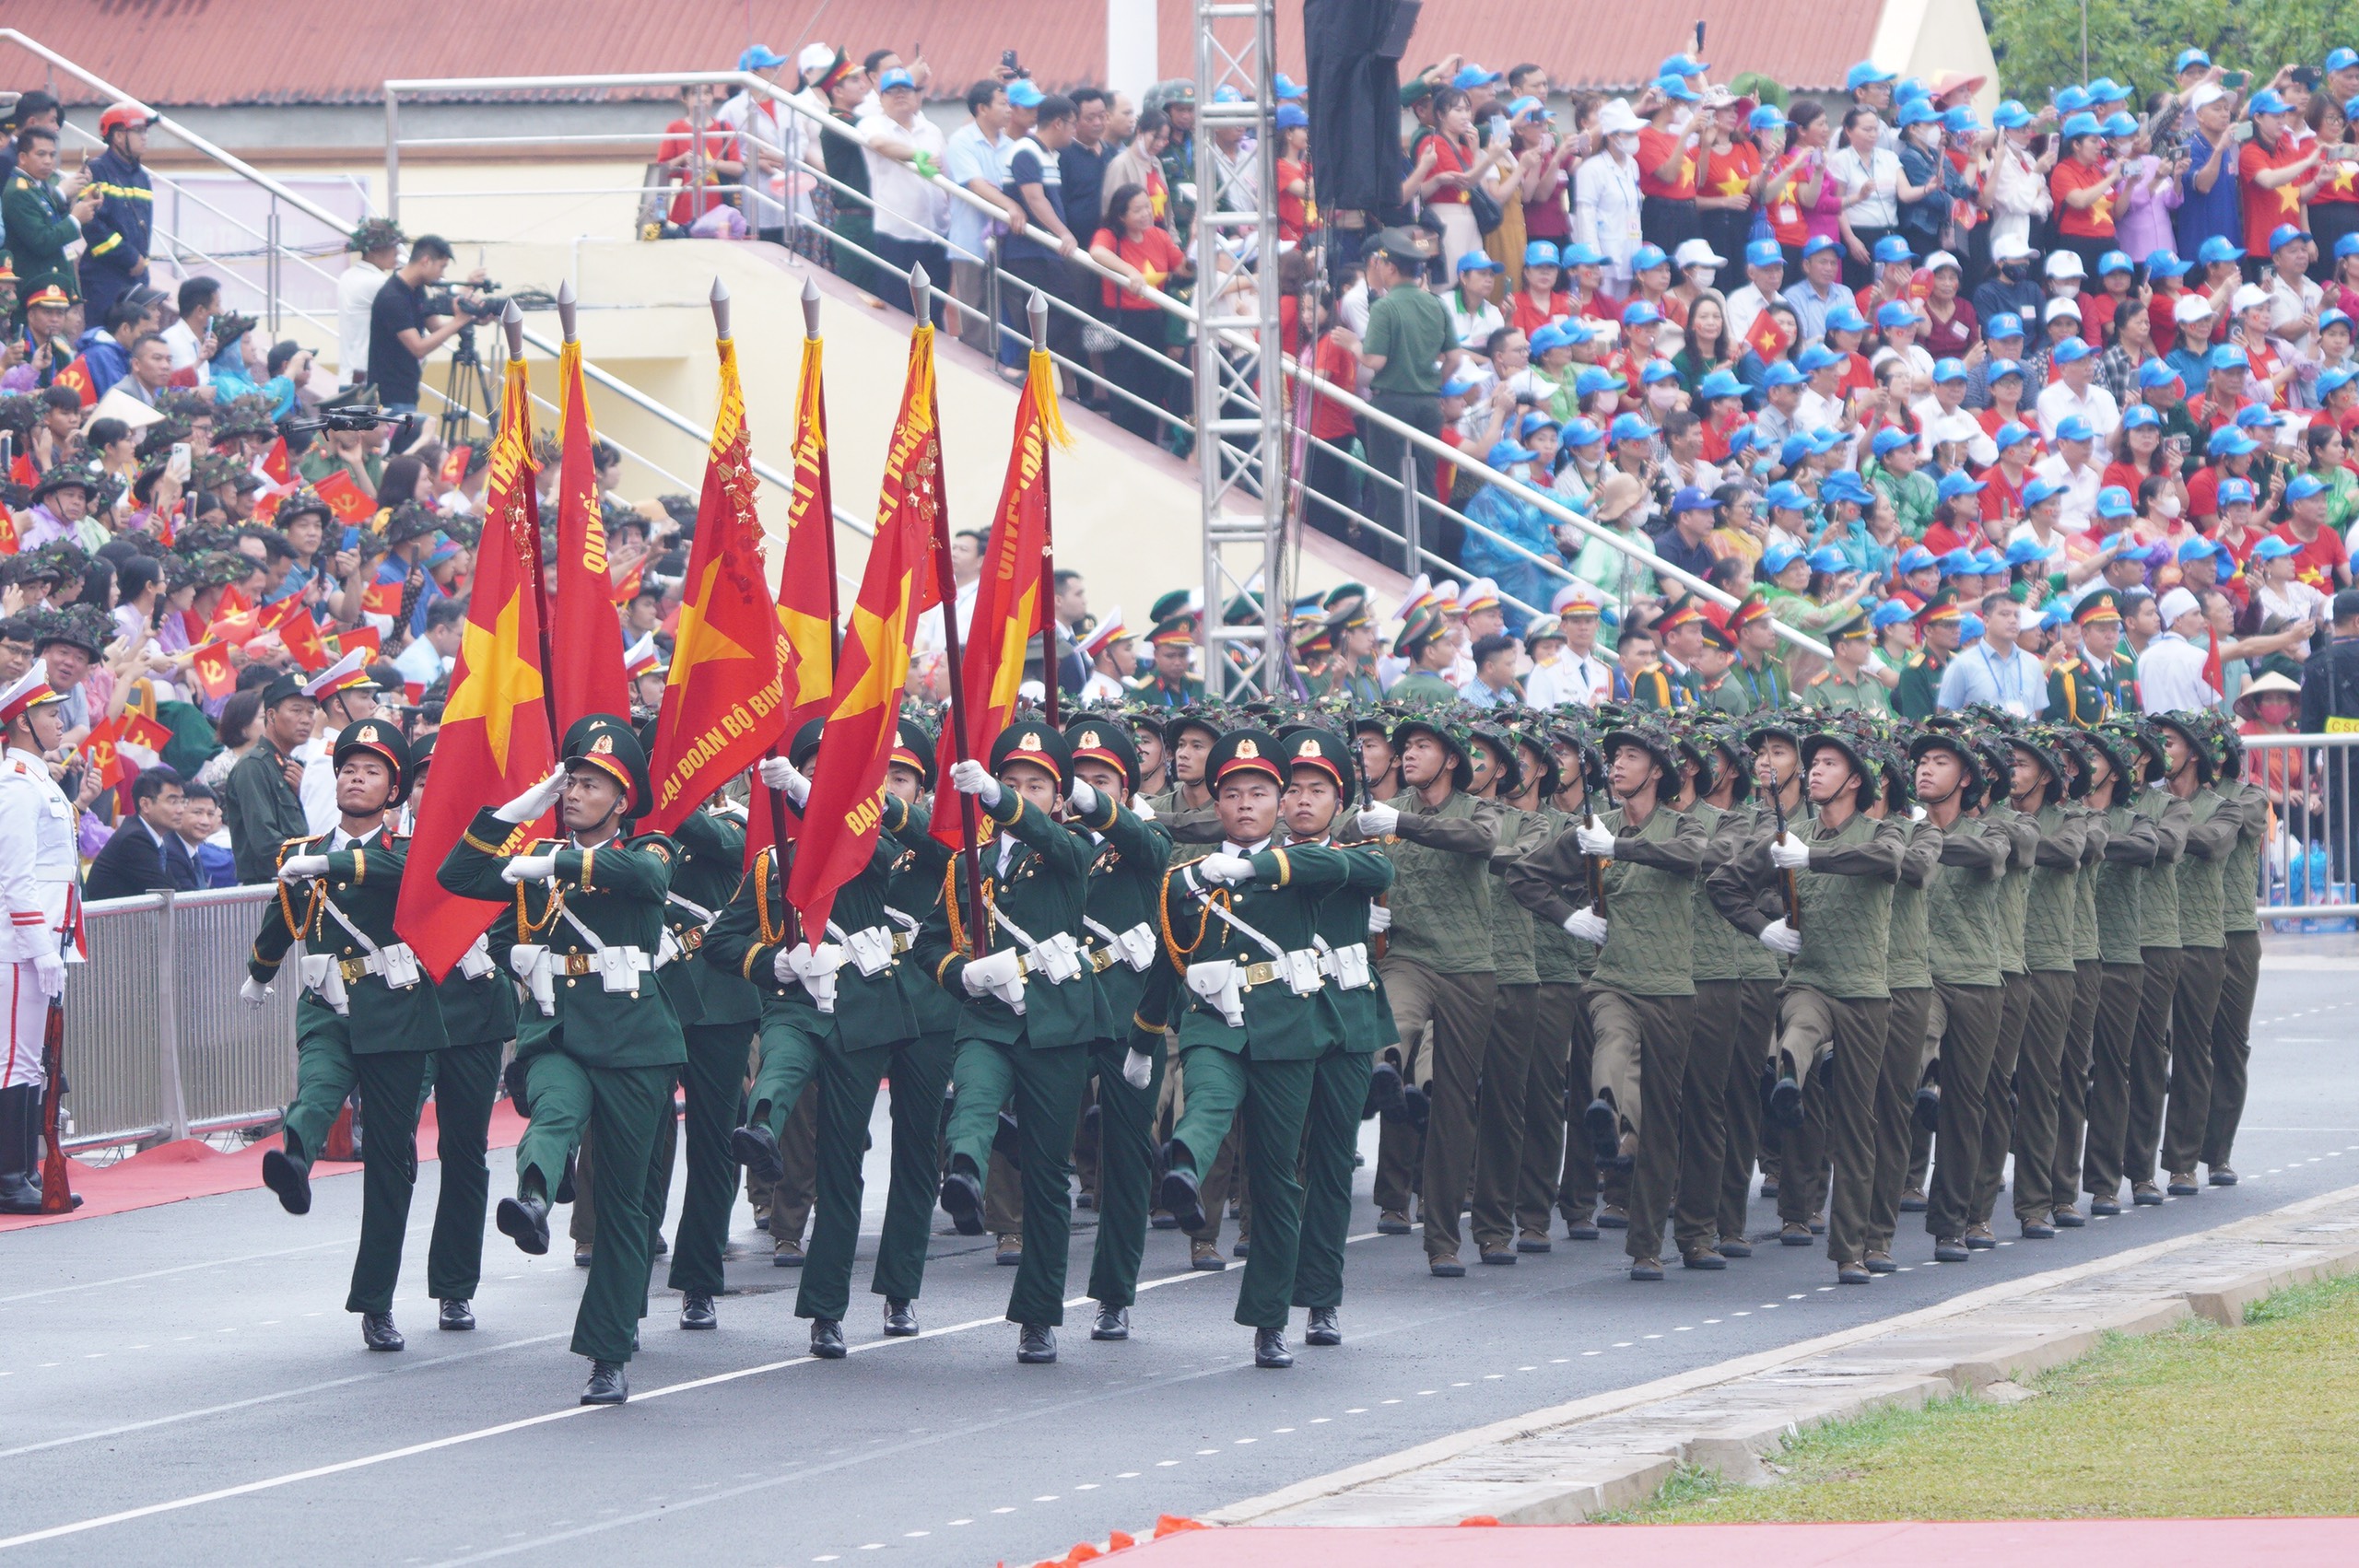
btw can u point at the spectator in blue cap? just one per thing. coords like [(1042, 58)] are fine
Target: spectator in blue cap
[(1868, 171), (2074, 395), (1815, 292), (1764, 275), (2293, 300), (2309, 497), (2277, 171), (1781, 391), (1474, 313), (2208, 175), (2077, 466), (1509, 527), (1870, 86), (1685, 541), (1896, 469)]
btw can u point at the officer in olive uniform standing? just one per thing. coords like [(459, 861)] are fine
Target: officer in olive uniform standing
[(599, 1044), (2215, 824), (368, 1015)]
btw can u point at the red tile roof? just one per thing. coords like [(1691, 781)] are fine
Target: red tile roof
[(216, 52)]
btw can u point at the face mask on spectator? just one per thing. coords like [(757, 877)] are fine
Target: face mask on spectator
[(1702, 277), (2015, 271), (2066, 288), (1662, 396), (2167, 507), (1625, 141)]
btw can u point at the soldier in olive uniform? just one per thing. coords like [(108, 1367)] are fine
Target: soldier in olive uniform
[(1713, 964), (1916, 696), (1033, 1014), (2022, 830), (1748, 1012), (2240, 972), (599, 1044), (368, 1015), (1530, 1149), (1908, 974), (1506, 1057), (2216, 821), (2161, 952), (1642, 997), (2091, 1155)]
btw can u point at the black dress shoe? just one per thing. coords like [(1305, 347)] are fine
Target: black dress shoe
[(1037, 1345), (582, 1255), (1270, 1349), (1322, 1329), (1180, 1198), (900, 1319), (828, 1338), (376, 1331), (1383, 1091), (456, 1317), (289, 1180), (608, 1385), (1786, 1102), (1927, 1107), (565, 1193), (525, 1221), (962, 1199), (1113, 1323), (757, 1150), (1605, 1129), (697, 1312)]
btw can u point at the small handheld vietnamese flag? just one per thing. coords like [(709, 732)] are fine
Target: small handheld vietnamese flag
[(365, 638), (301, 636), (77, 375), (209, 665), (241, 627), (273, 464), (381, 599), (1767, 337)]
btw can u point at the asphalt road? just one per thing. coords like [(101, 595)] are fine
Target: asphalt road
[(181, 1379)]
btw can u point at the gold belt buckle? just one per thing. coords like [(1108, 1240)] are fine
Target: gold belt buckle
[(578, 963), (900, 941), (1024, 965), (1101, 959), (1261, 973), (352, 969)]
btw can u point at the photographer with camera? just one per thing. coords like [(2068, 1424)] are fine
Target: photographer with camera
[(408, 320)]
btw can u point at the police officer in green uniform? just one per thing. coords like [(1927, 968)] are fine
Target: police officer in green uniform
[(598, 1041), (368, 1015), (1246, 985), (1033, 1014), (1170, 684), (833, 1011)]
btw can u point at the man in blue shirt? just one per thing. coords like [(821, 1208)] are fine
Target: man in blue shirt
[(1995, 670), (1035, 254), (974, 156), (1818, 289), (2207, 206)]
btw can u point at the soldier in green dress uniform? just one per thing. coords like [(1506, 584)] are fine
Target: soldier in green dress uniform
[(1506, 1055), (1170, 684), (1425, 643), (368, 1016), (2092, 686), (1033, 1014), (1915, 698), (599, 1044)]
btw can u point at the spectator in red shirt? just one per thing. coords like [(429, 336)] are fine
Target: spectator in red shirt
[(696, 162), (2083, 186), (2115, 277), (1143, 254), (1538, 301), (2277, 175), (1952, 329), (1668, 149), (2323, 562)]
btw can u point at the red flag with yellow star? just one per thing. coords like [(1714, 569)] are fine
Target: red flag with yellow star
[(496, 739), (725, 701), (589, 679), (840, 819)]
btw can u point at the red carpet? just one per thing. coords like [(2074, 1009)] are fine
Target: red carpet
[(192, 1168), (2216, 1543)]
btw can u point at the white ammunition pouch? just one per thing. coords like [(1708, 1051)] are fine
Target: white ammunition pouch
[(667, 948), (870, 948), (532, 965), (1056, 959), (1219, 983), (323, 978), (1134, 947), (817, 973), (476, 962), (1349, 966)]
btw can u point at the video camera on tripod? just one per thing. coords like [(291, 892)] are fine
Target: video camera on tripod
[(488, 305)]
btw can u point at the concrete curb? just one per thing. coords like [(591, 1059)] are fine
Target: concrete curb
[(1573, 1461)]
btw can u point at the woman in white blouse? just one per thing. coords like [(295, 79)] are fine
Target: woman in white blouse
[(1870, 176), (1605, 196)]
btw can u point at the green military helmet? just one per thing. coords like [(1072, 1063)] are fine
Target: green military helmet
[(1779, 726), (385, 740), (607, 744), (301, 501), (2080, 750), (1243, 752), (1736, 760), (1035, 743), (1696, 747), (2197, 733), (1452, 737), (1854, 750), (1099, 737), (2231, 744), (2139, 731), (1180, 603), (421, 754), (1571, 736), (1656, 741), (804, 746), (1497, 740)]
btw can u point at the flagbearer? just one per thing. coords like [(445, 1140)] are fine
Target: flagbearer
[(37, 877), (368, 1016), (833, 1010), (599, 1042), (1033, 1013), (1127, 858)]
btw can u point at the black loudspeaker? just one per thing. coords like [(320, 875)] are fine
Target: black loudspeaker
[(1393, 42)]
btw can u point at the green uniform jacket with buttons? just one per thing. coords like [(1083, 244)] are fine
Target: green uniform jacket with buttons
[(616, 890), (1423, 686), (2086, 948), (911, 893), (1126, 868), (1742, 824), (2158, 890), (1908, 962), (261, 811), (1513, 958), (758, 923), (1650, 898), (1341, 920), (1962, 903), (1441, 883), (365, 881), (2132, 841), (1846, 895), (1558, 956), (2240, 874), (1045, 890), (1282, 902), (2052, 891), (484, 1007), (2213, 827), (39, 225), (708, 867), (1917, 696)]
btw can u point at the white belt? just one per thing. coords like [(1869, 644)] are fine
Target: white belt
[(871, 948)]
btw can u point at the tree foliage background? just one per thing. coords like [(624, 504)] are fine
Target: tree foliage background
[(2037, 42)]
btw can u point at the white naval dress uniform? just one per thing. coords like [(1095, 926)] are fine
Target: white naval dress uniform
[(39, 881)]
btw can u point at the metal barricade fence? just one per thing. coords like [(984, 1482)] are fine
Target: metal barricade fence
[(157, 1045), (2307, 865)]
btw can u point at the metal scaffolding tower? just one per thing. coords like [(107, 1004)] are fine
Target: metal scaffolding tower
[(1241, 389)]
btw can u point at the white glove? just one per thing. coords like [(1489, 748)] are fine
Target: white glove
[(1595, 841), (1586, 924), (1379, 918), (1378, 821), (1224, 868), (296, 868), (971, 778), (51, 968), (1779, 937), (780, 774), (1788, 854), (529, 867), (535, 802), (252, 992), (1084, 797), (1138, 1070), (1141, 810)]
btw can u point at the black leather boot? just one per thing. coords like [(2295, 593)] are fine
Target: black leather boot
[(962, 1199), (697, 1312), (1036, 1346), (526, 1221), (900, 1319), (754, 1148), (1180, 1198), (1322, 1329), (376, 1331), (1113, 1323), (291, 1181), (608, 1385), (828, 1338), (456, 1317), (1270, 1349)]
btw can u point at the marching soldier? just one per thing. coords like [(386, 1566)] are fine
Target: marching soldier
[(1499, 1126), (2216, 822), (598, 1045), (2002, 814), (368, 1015), (1033, 1013), (345, 694), (1751, 1009), (1531, 1149), (1908, 974), (2115, 767), (1559, 1169), (2240, 971), (1642, 998), (1715, 967), (2161, 952), (37, 875), (2079, 751), (2051, 906)]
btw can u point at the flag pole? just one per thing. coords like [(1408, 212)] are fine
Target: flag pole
[(780, 747), (1037, 314), (946, 585), (512, 322)]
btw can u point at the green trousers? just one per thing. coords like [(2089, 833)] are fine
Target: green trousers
[(1275, 1100), (1969, 1037), (1559, 1054), (619, 1107), (918, 1068), (1904, 1054), (1500, 1114), (2039, 1092), (1045, 1082), (2231, 1044), (324, 1076), (1755, 1035), (465, 1078), (2017, 991), (715, 1078), (1125, 1172), (390, 1083), (2150, 1061), (790, 1061), (2118, 994), (2073, 1098), (2194, 1002), (1703, 1117), (1331, 1136)]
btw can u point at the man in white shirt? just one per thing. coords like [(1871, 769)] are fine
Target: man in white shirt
[(2073, 392), (1764, 270), (2170, 672), (429, 658), (378, 244), (777, 137), (911, 212), (200, 298), (1576, 675), (2075, 465)]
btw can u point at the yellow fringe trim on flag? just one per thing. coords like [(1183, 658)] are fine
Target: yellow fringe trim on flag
[(1042, 380)]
